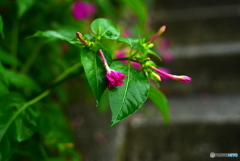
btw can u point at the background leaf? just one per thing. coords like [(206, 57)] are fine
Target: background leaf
[(7, 147), (54, 35), (126, 99), (55, 129), (16, 123), (3, 81), (1, 27), (8, 59), (23, 6), (20, 80), (95, 71), (107, 28), (160, 101)]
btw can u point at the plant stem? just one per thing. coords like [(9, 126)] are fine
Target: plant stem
[(126, 58), (65, 73), (38, 98), (43, 152)]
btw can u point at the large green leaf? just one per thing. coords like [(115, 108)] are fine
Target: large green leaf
[(23, 6), (20, 80), (95, 71), (1, 27), (105, 28), (16, 122), (158, 98), (126, 99)]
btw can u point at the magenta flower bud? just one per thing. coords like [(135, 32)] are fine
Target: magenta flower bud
[(160, 31), (182, 78), (115, 78)]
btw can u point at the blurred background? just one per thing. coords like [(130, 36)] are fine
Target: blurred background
[(202, 40)]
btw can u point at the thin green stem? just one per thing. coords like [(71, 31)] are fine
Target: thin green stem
[(126, 58), (38, 98), (43, 151), (65, 73)]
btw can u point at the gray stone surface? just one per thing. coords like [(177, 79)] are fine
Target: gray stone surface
[(200, 124)]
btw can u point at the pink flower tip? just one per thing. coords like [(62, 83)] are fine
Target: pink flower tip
[(162, 29), (115, 78), (183, 79)]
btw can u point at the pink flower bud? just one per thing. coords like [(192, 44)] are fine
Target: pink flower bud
[(115, 78), (160, 31), (182, 78)]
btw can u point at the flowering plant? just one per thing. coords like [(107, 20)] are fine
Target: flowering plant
[(127, 87)]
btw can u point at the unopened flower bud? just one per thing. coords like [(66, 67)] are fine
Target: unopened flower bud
[(160, 31), (182, 78), (80, 38), (150, 45), (157, 77)]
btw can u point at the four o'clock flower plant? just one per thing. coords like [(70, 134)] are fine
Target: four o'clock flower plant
[(128, 87)]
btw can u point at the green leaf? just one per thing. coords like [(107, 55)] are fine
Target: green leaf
[(53, 35), (95, 71), (105, 29), (153, 53), (16, 122), (1, 27), (21, 81), (158, 98), (128, 98), (7, 148), (23, 6), (8, 59), (3, 81), (133, 42)]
